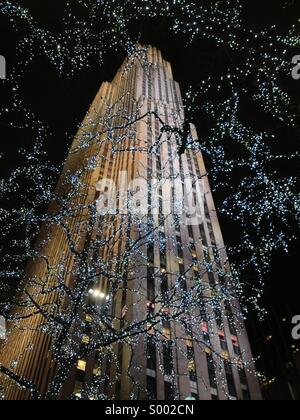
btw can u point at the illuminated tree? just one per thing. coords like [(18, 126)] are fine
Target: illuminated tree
[(104, 253)]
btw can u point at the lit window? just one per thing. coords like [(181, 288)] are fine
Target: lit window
[(225, 355), (234, 340), (150, 306), (88, 318), (86, 339), (81, 365), (189, 342), (97, 293), (192, 366), (167, 333), (78, 389), (239, 361), (150, 329), (97, 371)]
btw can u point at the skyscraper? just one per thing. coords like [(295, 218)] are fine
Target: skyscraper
[(134, 249)]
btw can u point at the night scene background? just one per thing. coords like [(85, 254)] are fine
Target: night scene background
[(60, 99)]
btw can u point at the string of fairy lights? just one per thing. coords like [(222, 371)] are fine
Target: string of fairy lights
[(262, 201)]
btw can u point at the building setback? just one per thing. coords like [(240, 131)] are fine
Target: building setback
[(155, 148)]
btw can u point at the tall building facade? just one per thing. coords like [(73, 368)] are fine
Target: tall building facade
[(135, 134)]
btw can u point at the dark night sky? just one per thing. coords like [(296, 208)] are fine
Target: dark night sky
[(62, 102)]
